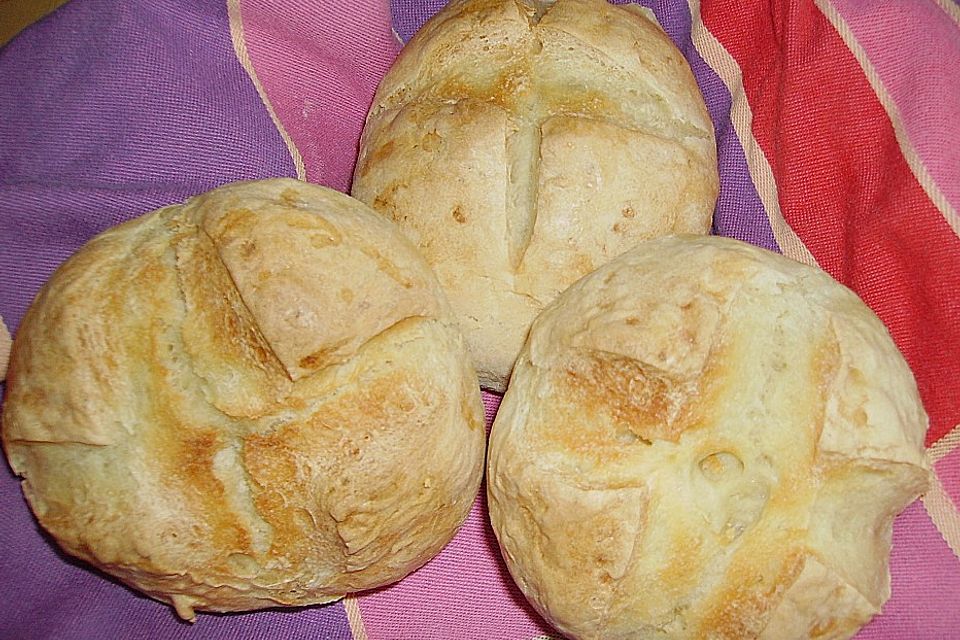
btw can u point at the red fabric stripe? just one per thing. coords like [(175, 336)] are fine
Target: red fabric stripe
[(845, 187)]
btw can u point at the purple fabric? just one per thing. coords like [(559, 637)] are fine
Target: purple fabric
[(739, 213), (409, 15), (152, 109), (112, 109)]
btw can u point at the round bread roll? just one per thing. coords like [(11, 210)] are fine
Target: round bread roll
[(704, 439), (257, 398), (523, 144)]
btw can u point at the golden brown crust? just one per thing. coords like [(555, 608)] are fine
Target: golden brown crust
[(703, 439), (523, 144), (259, 397)]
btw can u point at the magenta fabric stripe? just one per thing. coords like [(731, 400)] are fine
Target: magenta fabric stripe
[(319, 64), (112, 109), (484, 601), (914, 46), (912, 613)]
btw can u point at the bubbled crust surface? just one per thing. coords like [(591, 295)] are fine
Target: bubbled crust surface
[(704, 439), (521, 145), (257, 398)]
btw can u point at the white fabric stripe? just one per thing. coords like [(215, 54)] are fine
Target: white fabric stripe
[(741, 117), (950, 8), (945, 445), (240, 47), (917, 167), (355, 618), (944, 514)]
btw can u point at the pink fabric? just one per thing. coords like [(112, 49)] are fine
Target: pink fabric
[(921, 562), (948, 470), (320, 72), (913, 46), (318, 63), (479, 599)]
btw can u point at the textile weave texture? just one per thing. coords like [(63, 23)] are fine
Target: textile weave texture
[(838, 131)]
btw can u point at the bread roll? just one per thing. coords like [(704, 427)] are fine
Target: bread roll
[(523, 144), (703, 439), (257, 398)]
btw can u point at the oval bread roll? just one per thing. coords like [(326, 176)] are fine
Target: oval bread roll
[(704, 439), (257, 398), (523, 144)]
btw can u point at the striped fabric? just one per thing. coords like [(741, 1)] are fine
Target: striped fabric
[(838, 127)]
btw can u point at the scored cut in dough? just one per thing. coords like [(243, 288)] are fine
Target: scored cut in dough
[(257, 398), (704, 439), (521, 145)]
